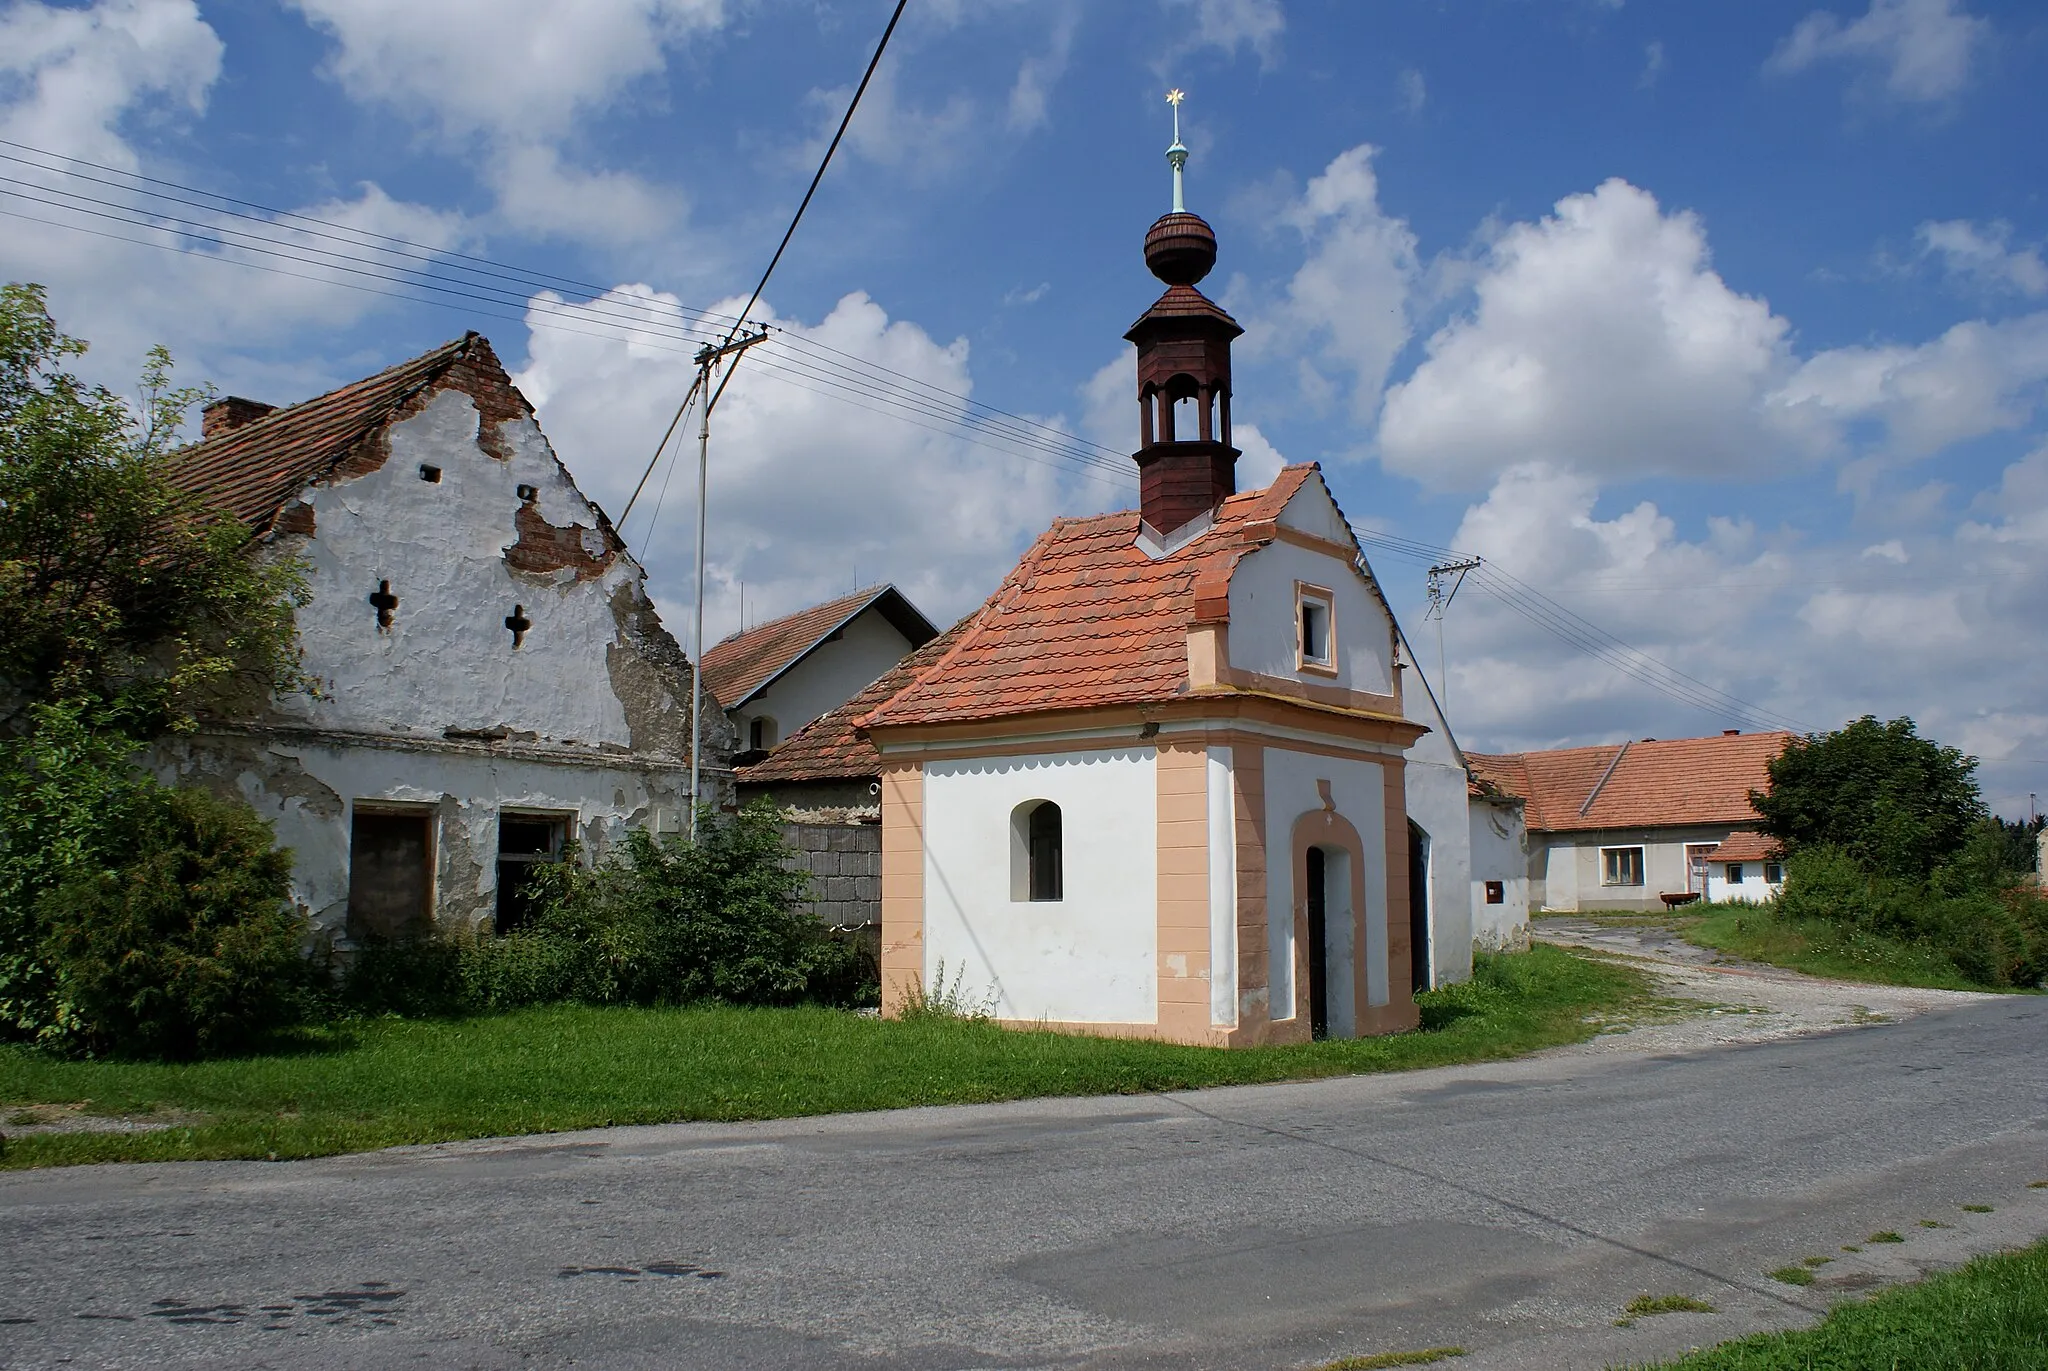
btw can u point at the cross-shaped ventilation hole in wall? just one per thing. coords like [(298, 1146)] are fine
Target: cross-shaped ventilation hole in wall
[(518, 623), (385, 602)]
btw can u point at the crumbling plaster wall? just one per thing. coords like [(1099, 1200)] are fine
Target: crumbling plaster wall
[(309, 791), (447, 658), (586, 716)]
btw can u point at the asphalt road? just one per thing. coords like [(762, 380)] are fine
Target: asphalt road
[(1510, 1209)]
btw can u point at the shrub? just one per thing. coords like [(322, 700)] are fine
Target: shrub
[(659, 921), (60, 781), (1995, 937), (186, 944)]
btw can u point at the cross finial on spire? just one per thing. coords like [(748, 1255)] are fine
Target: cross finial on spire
[(1177, 155)]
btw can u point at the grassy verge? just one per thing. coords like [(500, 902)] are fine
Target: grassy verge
[(384, 1082), (1991, 1315), (1756, 933)]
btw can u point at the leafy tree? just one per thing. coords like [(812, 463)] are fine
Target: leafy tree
[(129, 608), (1898, 804), (122, 592)]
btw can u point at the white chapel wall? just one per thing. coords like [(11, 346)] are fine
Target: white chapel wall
[(1090, 957), (1262, 619), (1358, 789)]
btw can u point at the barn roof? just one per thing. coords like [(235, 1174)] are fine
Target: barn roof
[(254, 470), (744, 664), (1648, 784), (829, 747)]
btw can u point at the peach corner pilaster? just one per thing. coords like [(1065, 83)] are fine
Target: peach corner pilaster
[(902, 885), (1182, 777)]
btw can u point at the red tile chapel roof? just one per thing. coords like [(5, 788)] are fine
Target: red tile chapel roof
[(1087, 619)]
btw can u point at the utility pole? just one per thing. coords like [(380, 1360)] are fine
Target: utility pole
[(1438, 603), (707, 359)]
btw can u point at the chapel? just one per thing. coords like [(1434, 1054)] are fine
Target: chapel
[(1153, 786)]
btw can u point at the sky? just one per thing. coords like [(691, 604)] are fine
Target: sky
[(1719, 332)]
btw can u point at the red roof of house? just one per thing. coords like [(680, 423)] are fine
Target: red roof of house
[(1744, 845), (253, 471), (829, 748), (738, 666), (1648, 784), (1087, 619)]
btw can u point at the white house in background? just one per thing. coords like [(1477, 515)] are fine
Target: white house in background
[(776, 677), (1624, 826), (494, 679), (1467, 848), (1745, 867)]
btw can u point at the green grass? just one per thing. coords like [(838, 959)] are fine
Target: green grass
[(1421, 1357), (1991, 1315), (1755, 934), (1887, 1236), (384, 1082), (1793, 1275), (1644, 1306)]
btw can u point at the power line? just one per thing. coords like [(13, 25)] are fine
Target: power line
[(902, 396), (421, 270)]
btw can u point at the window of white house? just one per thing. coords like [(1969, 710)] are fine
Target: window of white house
[(1315, 629), (525, 841), (1621, 866), (1037, 862), (1735, 873), (1774, 873)]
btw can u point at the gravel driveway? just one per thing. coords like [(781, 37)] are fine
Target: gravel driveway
[(1732, 1001)]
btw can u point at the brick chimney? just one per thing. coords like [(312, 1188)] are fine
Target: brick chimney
[(228, 413)]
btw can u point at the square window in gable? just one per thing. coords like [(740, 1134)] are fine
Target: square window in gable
[(1315, 630)]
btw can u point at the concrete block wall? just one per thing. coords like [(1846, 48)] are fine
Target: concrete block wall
[(845, 862)]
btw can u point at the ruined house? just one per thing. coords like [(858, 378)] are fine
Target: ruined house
[(493, 687)]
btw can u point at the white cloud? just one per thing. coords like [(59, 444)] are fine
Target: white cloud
[(1348, 301), (76, 81), (1653, 65), (920, 141), (1411, 91), (69, 77), (1985, 257), (1227, 26), (538, 194), (1820, 628), (1922, 49), (1038, 73), (521, 69), (1976, 378), (808, 493), (1602, 340)]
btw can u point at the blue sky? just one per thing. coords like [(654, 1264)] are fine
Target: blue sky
[(1723, 326)]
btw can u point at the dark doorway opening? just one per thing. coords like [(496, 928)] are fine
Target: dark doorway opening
[(1317, 885), (390, 874), (525, 841), (1418, 907)]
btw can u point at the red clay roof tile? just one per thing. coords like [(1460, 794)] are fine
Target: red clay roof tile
[(1085, 619), (254, 471), (740, 664), (1657, 784)]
